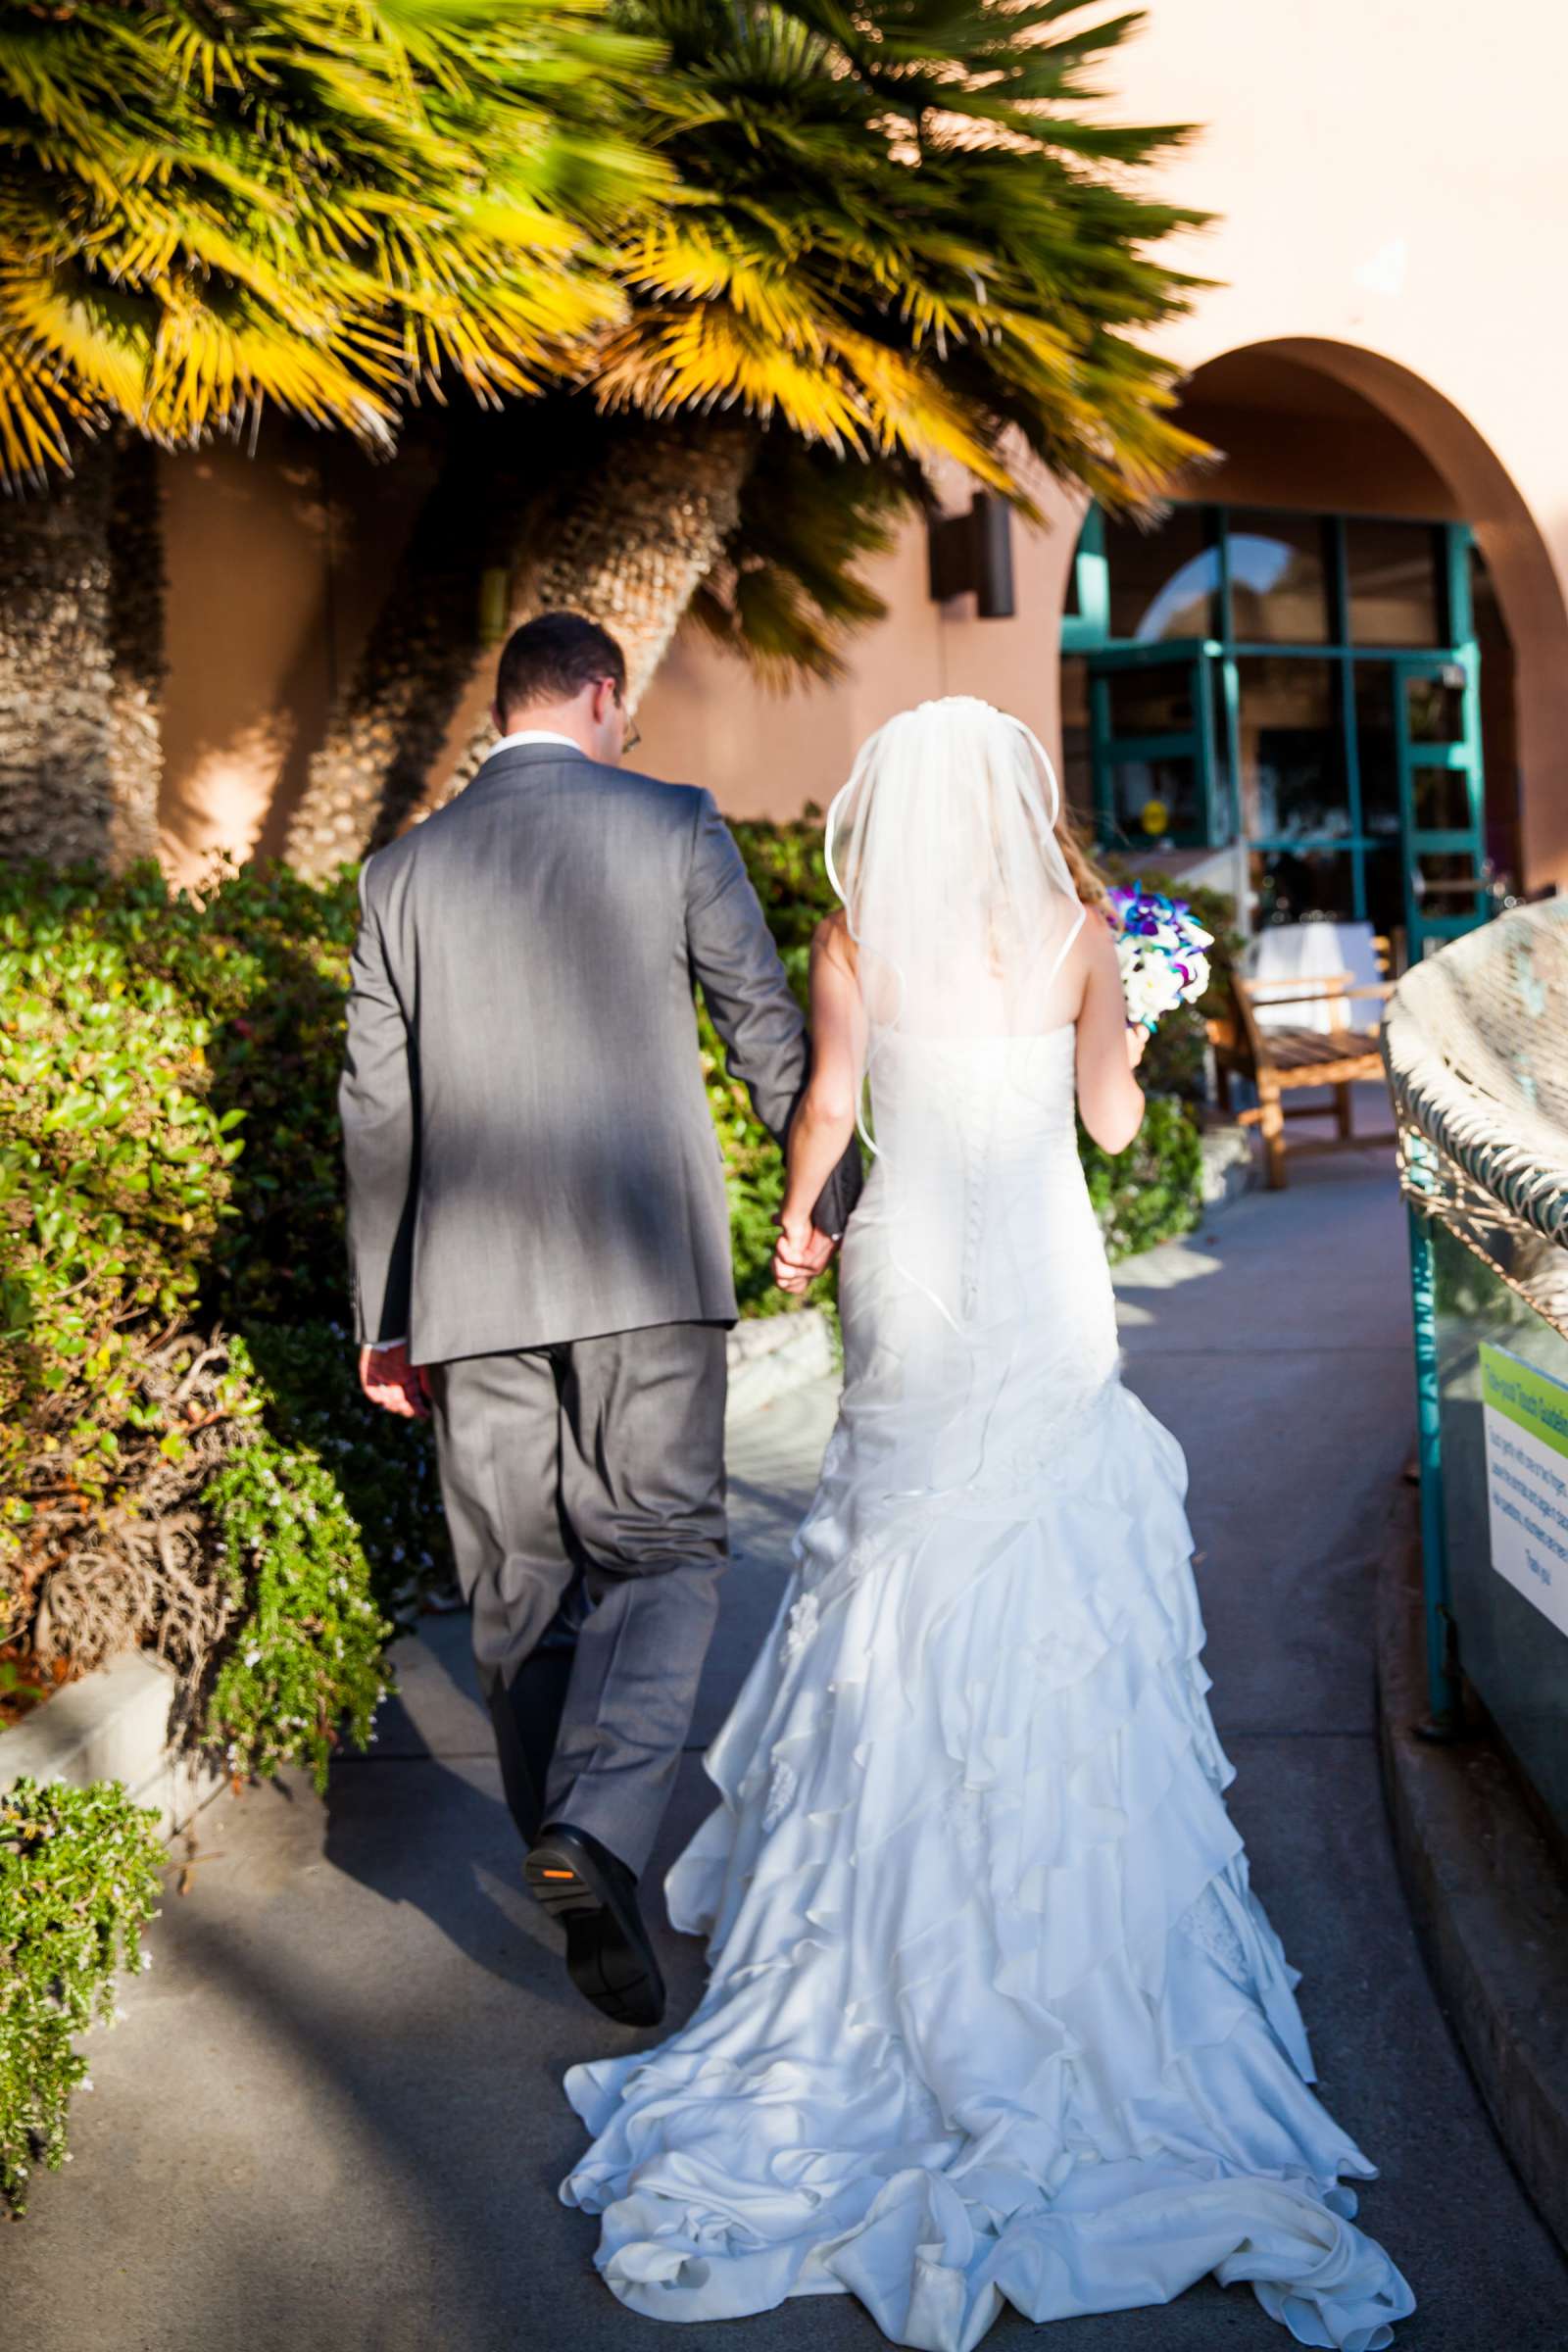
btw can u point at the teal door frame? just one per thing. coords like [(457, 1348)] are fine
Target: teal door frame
[(1435, 915)]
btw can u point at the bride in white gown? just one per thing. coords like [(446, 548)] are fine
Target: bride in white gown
[(994, 2015)]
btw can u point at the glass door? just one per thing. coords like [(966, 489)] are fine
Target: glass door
[(1298, 808), (1437, 744), (1154, 747)]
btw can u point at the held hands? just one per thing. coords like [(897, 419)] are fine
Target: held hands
[(800, 1255), (390, 1381), (1136, 1039)]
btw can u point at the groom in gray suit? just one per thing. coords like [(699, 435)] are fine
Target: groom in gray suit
[(539, 1242)]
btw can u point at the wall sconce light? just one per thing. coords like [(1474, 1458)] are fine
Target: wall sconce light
[(974, 552)]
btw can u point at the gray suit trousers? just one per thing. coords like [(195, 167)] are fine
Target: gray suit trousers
[(584, 1490)]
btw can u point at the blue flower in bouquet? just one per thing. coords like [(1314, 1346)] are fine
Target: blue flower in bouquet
[(1162, 953)]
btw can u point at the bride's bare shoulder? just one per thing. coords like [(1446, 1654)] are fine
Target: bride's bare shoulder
[(834, 940), (1096, 943)]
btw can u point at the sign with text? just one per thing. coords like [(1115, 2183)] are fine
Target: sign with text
[(1526, 1416)]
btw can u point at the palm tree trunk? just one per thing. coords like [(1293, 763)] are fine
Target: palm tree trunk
[(81, 656), (633, 546), (386, 729), (638, 521)]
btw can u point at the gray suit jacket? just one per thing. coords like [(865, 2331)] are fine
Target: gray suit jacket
[(530, 1155)]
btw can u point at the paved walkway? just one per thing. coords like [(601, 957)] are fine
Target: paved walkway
[(332, 2121)]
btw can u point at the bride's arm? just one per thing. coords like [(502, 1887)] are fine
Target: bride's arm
[(1111, 1101), (824, 1120)]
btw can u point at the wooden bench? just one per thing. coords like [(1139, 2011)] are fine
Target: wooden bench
[(1280, 1060)]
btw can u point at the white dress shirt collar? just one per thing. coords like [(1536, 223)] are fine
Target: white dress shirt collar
[(510, 743)]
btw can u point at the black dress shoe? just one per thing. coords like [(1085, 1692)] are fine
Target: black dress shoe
[(590, 1890)]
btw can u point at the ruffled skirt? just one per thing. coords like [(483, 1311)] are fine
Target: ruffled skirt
[(994, 2015)]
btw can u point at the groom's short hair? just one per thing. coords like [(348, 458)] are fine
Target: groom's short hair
[(552, 658)]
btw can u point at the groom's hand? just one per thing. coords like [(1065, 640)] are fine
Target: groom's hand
[(390, 1381), (800, 1255)]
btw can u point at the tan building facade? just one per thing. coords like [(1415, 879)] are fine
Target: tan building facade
[(1337, 677)]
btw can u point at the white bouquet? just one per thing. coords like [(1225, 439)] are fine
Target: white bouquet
[(1162, 953)]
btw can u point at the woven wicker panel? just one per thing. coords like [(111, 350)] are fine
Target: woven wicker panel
[(1475, 1043)]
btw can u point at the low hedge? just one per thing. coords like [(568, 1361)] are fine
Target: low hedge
[(1151, 1191), (167, 1195), (79, 1880)]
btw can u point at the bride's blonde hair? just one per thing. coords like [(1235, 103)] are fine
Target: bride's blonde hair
[(1087, 879)]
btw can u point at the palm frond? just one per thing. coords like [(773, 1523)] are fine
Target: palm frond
[(953, 254), (321, 203), (790, 591)]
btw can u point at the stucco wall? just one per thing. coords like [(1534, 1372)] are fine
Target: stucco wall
[(276, 563), (767, 754)]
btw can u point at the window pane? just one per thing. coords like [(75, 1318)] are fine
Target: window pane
[(1377, 749), (1385, 891), (1440, 799), (1162, 583), (1157, 701), (1288, 884), (1292, 750), (1279, 581), (1435, 708), (1155, 799), (1393, 583)]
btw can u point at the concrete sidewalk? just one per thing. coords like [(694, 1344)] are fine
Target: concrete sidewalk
[(333, 2119)]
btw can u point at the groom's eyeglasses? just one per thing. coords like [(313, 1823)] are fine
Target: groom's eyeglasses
[(633, 735)]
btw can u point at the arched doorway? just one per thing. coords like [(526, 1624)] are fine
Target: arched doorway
[(1318, 681)]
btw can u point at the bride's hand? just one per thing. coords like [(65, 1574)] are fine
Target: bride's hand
[(1136, 1039), (800, 1255)]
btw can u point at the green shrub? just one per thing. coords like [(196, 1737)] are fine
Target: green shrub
[(308, 1649), (384, 1468), (753, 1181), (789, 874), (1151, 1191), (169, 1165), (113, 1171), (263, 960), (79, 1880)]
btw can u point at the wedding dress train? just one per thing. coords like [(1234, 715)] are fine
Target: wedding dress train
[(994, 2015)]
